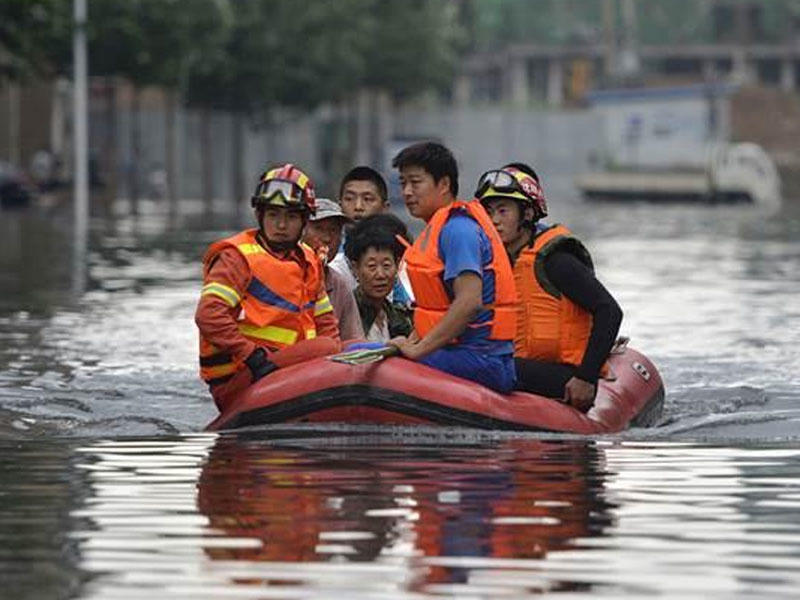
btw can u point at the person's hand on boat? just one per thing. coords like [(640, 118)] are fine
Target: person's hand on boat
[(410, 348), (259, 365), (579, 394)]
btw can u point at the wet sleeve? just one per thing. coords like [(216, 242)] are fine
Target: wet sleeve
[(578, 283), (460, 247), (223, 288)]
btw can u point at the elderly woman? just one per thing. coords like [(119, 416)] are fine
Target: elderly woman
[(374, 251)]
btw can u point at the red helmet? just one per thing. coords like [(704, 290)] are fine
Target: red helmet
[(287, 186), (514, 184)]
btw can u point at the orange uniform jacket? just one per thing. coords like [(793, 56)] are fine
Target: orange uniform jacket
[(252, 298)]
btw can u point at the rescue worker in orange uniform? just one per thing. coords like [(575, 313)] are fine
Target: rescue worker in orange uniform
[(568, 321), (465, 312), (263, 304)]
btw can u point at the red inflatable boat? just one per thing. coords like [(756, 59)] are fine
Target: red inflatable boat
[(400, 392)]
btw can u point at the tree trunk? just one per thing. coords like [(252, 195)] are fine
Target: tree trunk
[(169, 153), (362, 127), (205, 162), (237, 141), (14, 121), (136, 152)]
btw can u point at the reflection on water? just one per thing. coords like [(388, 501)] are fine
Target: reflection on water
[(523, 500), (305, 514), (38, 489)]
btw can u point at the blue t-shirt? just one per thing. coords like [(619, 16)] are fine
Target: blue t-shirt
[(464, 247)]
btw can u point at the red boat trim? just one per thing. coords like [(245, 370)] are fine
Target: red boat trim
[(367, 395), (399, 392)]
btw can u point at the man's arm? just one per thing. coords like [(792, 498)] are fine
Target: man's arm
[(467, 292), (224, 286), (460, 248), (578, 283)]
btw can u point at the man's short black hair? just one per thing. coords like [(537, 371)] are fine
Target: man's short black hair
[(365, 173), (379, 232), (435, 158), (524, 167)]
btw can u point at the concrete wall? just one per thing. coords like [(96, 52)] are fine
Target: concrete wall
[(559, 144)]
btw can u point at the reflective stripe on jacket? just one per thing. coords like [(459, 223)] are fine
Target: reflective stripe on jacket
[(551, 327), (425, 270), (278, 307)]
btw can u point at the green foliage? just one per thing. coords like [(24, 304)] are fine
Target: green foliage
[(32, 34), (150, 41), (413, 45), (246, 55), (497, 23), (281, 52), (278, 53)]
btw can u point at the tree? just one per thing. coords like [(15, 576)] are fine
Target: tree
[(35, 38), (414, 46), (148, 42), (276, 54), (174, 31)]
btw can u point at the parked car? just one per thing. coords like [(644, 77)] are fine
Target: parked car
[(16, 188)]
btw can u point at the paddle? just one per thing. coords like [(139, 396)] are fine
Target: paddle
[(365, 357)]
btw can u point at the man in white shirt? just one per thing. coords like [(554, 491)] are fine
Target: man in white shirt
[(362, 193)]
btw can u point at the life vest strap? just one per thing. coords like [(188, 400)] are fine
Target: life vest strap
[(248, 249), (271, 333), (258, 290)]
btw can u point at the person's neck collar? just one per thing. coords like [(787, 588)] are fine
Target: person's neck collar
[(514, 247), (377, 305), (445, 201), (282, 250)]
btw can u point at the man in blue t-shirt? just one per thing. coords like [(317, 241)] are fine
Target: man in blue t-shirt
[(467, 339)]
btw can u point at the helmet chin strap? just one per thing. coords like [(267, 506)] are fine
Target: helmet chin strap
[(524, 223), (280, 246)]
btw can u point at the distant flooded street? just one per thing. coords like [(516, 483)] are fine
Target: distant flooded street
[(110, 490)]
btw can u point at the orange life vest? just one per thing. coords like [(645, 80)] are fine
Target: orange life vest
[(551, 327), (278, 307), (425, 271)]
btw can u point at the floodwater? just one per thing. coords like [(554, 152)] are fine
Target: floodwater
[(110, 489)]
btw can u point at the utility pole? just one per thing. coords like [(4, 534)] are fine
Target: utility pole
[(81, 142), (610, 38), (629, 56)]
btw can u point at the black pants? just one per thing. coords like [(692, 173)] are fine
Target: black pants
[(543, 378)]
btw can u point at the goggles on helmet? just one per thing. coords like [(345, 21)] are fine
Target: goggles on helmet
[(279, 193), (514, 184), (507, 183)]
